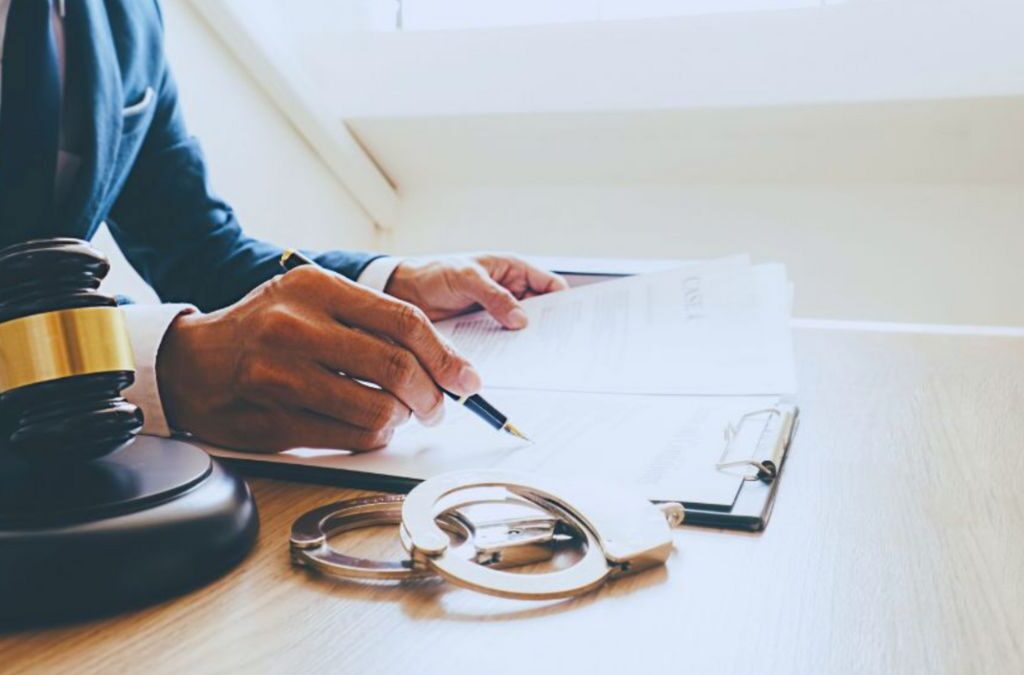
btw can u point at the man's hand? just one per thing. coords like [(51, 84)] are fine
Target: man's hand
[(445, 287), (279, 368)]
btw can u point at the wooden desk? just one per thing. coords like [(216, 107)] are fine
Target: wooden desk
[(897, 545)]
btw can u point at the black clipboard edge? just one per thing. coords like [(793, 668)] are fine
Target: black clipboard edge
[(320, 475)]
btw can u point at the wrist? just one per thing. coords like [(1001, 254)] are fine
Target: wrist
[(175, 360), (147, 327), (402, 284)]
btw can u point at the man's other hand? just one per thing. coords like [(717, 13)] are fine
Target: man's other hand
[(445, 287), (285, 367)]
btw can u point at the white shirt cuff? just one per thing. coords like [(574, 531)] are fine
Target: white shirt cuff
[(378, 273), (147, 325)]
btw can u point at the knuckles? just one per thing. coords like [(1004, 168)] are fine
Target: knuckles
[(384, 415), (260, 376), (470, 273), (305, 277), (310, 282), (277, 325), (410, 320), (401, 368), (447, 362)]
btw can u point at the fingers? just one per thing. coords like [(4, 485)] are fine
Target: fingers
[(310, 351), (408, 327), (521, 278), (303, 384), (345, 400), (497, 300), (316, 431), (278, 429), (393, 368), (541, 281)]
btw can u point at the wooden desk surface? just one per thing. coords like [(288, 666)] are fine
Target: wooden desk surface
[(897, 545)]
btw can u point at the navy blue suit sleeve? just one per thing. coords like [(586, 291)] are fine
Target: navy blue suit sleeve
[(180, 237)]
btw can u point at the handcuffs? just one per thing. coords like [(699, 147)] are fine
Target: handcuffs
[(620, 533)]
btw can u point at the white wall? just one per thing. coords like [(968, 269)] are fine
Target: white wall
[(876, 149), (900, 211), (863, 52), (280, 188), (914, 253)]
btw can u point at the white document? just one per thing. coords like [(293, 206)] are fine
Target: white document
[(632, 381), (666, 446), (704, 328)]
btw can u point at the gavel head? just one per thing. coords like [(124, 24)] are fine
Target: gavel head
[(64, 355)]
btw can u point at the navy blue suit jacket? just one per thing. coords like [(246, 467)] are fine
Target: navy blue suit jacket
[(144, 174)]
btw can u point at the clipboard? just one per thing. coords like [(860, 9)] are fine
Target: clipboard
[(754, 447)]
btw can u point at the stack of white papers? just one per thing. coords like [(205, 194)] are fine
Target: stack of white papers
[(630, 380), (706, 328)]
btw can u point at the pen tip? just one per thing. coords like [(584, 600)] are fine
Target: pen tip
[(512, 429)]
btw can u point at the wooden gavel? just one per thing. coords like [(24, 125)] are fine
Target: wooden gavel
[(65, 356)]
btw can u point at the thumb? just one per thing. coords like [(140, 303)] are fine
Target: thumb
[(496, 299)]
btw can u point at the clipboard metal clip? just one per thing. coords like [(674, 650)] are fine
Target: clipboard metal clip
[(759, 467)]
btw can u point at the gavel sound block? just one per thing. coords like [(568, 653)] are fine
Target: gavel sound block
[(93, 520)]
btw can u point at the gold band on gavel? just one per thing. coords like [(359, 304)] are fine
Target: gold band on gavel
[(60, 344)]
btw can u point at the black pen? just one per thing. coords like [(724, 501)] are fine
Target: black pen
[(476, 403)]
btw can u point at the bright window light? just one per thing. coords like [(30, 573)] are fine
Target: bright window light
[(417, 15)]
